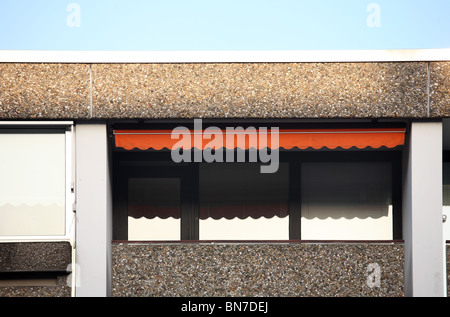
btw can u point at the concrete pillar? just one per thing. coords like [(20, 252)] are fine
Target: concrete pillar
[(422, 211), (93, 212)]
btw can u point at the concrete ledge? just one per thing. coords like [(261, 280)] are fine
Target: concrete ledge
[(35, 256)]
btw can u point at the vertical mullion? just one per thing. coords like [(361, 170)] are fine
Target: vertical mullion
[(189, 203), (294, 200), (185, 209), (194, 185), (397, 230), (120, 215)]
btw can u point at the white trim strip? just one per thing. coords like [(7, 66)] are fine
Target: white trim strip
[(14, 56)]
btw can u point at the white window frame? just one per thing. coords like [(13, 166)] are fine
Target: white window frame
[(69, 230)]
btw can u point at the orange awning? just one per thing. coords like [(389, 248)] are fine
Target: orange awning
[(284, 138)]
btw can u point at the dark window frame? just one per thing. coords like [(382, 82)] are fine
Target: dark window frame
[(161, 169)]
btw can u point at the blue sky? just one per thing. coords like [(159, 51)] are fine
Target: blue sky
[(152, 25)]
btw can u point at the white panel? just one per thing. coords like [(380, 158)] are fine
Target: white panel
[(93, 235), (422, 214)]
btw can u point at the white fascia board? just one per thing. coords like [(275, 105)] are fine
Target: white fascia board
[(304, 56)]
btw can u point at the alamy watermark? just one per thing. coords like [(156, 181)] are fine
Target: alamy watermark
[(73, 19), (373, 275), (73, 279), (262, 145), (374, 18)]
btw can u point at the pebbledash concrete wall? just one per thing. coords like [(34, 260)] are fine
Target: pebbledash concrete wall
[(267, 269), (224, 90)]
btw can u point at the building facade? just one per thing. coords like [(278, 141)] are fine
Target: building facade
[(94, 201)]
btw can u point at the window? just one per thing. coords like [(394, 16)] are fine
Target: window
[(346, 201), (314, 195), (154, 209), (33, 182), (237, 202)]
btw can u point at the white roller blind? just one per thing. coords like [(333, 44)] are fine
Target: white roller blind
[(32, 184), (263, 199)]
